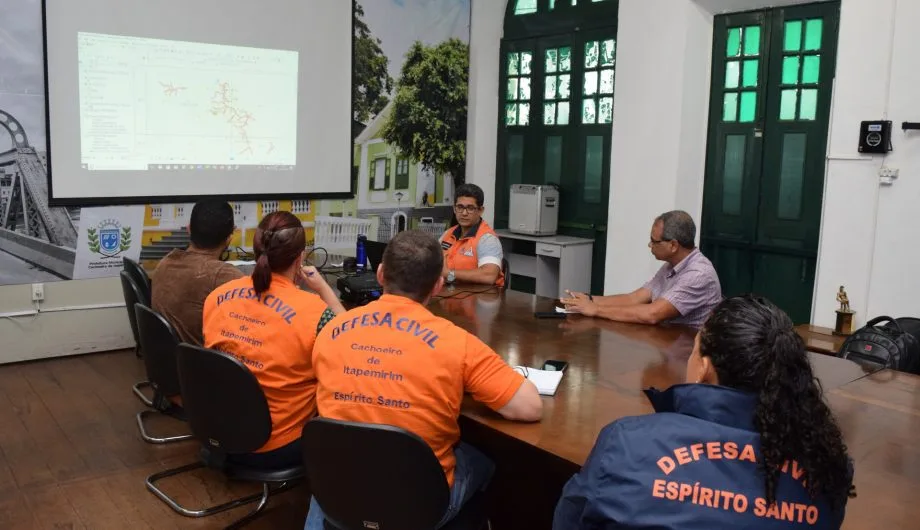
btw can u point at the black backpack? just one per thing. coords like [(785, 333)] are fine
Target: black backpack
[(895, 345)]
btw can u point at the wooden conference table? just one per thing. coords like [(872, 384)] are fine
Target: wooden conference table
[(609, 366)]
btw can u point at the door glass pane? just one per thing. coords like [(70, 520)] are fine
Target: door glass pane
[(749, 78), (565, 59), (787, 103), (813, 29), (524, 86), (752, 40), (510, 114), (549, 87), (605, 110), (552, 162), (526, 58), (811, 69), (748, 107), (594, 168), (549, 114), (791, 70), (550, 62), (590, 83), (732, 74), (525, 7), (608, 52), (733, 173), (733, 45), (523, 113), (515, 158), (562, 113), (514, 63), (591, 54), (792, 41), (512, 89), (730, 107), (792, 171), (809, 104), (606, 81), (563, 86), (588, 111)]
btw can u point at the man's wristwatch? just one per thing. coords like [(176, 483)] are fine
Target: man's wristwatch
[(451, 276)]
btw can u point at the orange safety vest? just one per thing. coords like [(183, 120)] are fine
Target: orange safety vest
[(460, 252)]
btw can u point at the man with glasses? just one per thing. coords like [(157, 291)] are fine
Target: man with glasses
[(684, 291), (472, 251)]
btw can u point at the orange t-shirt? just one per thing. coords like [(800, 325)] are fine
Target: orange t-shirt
[(393, 362), (273, 336)]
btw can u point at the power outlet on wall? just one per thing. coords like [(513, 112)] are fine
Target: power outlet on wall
[(38, 292)]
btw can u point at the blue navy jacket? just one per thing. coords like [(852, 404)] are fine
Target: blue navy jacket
[(691, 466)]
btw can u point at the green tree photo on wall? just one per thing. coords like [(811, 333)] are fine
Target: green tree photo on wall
[(428, 120), (372, 84)]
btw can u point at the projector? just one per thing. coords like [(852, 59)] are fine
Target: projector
[(534, 209), (359, 289)]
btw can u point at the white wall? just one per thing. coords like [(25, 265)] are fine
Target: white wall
[(76, 317), (659, 128), (866, 241), (488, 17)]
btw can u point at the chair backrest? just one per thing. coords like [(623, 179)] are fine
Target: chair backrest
[(140, 277), (506, 272), (373, 476), (133, 296), (159, 342), (223, 402)]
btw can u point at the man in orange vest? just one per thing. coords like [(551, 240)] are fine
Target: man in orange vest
[(393, 362), (472, 251)]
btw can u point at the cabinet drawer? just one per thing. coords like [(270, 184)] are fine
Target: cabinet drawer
[(548, 250)]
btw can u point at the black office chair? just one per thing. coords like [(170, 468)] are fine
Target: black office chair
[(159, 341), (228, 413), (506, 272), (134, 296), (139, 275), (396, 483)]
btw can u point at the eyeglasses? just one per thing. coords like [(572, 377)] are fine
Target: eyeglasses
[(653, 241), (469, 208)]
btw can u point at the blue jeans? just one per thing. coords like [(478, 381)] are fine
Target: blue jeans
[(473, 472)]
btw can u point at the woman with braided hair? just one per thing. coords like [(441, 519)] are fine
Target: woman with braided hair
[(747, 442), (269, 324)]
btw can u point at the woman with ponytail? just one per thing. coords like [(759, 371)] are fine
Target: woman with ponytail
[(269, 324), (747, 442)]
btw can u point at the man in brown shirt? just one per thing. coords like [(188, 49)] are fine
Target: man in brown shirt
[(184, 278)]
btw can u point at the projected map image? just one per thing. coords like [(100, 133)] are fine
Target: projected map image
[(150, 103)]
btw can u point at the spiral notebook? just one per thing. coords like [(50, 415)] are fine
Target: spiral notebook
[(546, 381)]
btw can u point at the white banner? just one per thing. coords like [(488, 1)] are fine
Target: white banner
[(107, 235)]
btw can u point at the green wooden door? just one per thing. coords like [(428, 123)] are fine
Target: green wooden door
[(772, 78), (557, 114)]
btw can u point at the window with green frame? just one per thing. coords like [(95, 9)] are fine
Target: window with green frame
[(801, 69), (379, 172), (557, 85), (402, 174), (517, 93), (597, 92), (742, 64)]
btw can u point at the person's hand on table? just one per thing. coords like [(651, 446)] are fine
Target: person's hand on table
[(580, 303)]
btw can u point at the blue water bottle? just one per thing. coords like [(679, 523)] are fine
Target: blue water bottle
[(360, 254)]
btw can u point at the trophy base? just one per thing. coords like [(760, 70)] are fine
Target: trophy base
[(844, 325)]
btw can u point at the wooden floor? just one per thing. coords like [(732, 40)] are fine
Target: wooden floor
[(71, 456)]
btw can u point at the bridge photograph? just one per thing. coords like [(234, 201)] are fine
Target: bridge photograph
[(37, 242)]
